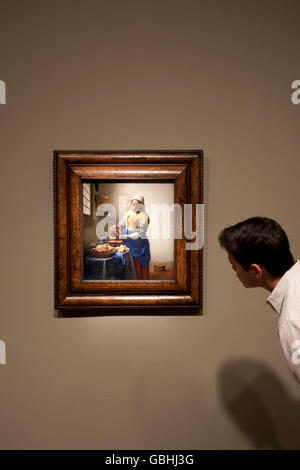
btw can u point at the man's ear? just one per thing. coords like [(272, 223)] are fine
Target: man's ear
[(257, 270)]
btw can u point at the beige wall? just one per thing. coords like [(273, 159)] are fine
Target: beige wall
[(135, 74)]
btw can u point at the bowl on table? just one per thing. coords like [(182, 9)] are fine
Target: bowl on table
[(114, 242)]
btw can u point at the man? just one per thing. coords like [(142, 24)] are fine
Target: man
[(258, 250)]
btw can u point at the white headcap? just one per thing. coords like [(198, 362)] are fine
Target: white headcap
[(138, 197)]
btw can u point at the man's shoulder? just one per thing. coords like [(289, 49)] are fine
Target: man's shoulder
[(294, 272), (291, 302), (290, 282)]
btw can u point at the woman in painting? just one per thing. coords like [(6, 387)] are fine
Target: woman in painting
[(132, 228)]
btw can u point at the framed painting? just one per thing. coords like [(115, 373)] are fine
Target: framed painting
[(128, 231)]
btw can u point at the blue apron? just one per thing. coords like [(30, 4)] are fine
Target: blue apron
[(139, 248)]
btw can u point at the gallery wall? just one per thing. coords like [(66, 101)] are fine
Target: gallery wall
[(147, 75)]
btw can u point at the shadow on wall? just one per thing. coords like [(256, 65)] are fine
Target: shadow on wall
[(259, 404)]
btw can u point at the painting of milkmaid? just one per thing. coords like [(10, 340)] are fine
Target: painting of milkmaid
[(122, 241), (132, 229)]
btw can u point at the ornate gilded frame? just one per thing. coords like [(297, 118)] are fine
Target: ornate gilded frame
[(184, 168)]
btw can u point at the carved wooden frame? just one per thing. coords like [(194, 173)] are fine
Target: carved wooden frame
[(181, 296)]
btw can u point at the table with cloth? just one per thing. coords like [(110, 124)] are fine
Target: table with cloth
[(118, 266)]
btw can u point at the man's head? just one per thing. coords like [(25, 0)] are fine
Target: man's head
[(258, 250)]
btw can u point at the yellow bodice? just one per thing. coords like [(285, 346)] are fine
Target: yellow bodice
[(134, 222)]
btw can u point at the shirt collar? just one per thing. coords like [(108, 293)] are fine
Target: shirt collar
[(277, 295)]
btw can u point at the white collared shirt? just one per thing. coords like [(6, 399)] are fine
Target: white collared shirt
[(285, 300)]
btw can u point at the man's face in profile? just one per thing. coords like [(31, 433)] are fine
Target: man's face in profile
[(247, 278)]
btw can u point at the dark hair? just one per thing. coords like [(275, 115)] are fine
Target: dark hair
[(258, 240)]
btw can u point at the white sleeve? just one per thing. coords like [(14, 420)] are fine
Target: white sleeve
[(143, 225), (289, 334), (134, 235)]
